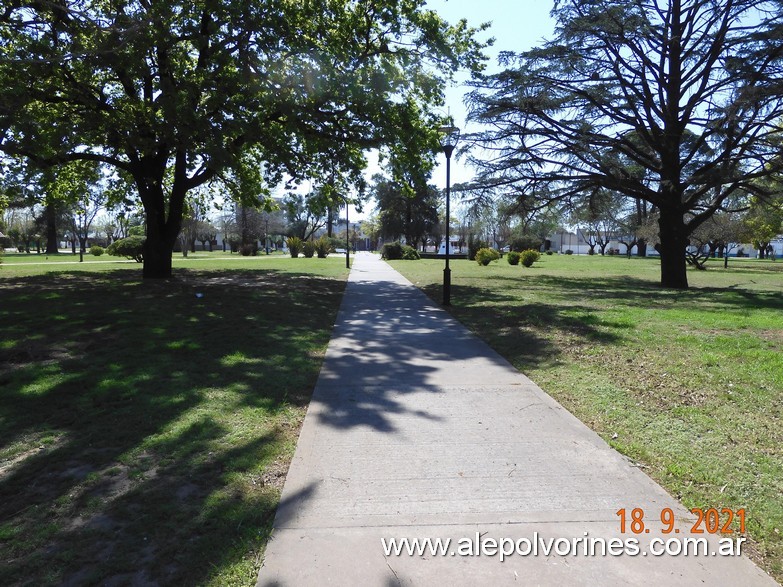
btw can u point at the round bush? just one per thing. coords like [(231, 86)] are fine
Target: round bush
[(391, 251), (513, 257), (524, 243), (410, 254), (131, 247), (246, 250), (485, 256), (97, 250), (529, 257)]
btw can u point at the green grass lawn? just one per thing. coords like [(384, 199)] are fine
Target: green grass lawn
[(146, 427), (689, 384), (25, 264)]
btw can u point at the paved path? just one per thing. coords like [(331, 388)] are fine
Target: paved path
[(418, 429)]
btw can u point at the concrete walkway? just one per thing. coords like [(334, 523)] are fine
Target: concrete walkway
[(418, 429)]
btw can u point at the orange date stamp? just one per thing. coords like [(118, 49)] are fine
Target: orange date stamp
[(708, 521)]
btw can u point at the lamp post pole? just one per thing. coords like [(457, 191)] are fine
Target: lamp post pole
[(449, 137), (447, 270), (347, 239)]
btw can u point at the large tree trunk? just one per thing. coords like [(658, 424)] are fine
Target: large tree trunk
[(672, 249), (52, 246), (158, 247), (157, 258), (163, 225)]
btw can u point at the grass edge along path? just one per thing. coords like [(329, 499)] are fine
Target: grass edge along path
[(688, 384), (146, 428)]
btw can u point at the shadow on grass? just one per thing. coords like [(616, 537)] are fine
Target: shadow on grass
[(524, 317), (143, 425)]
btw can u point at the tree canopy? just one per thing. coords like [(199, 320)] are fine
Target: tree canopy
[(405, 210), (176, 94), (672, 102)]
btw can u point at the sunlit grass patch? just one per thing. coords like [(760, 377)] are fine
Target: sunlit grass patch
[(689, 384)]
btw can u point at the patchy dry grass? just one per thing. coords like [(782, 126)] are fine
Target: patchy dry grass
[(146, 428), (687, 383)]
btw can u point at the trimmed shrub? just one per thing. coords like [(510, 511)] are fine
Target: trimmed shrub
[(131, 248), (294, 246), (97, 250), (569, 252), (410, 254), (550, 253), (246, 250), (485, 255), (529, 257), (391, 251), (308, 249), (513, 257), (525, 243), (323, 246)]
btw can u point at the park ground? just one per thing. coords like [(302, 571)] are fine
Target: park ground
[(146, 428)]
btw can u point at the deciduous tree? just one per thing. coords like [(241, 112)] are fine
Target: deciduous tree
[(176, 94)]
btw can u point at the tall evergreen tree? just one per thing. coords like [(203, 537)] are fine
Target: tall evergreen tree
[(674, 102)]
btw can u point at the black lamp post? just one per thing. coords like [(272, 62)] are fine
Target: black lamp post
[(448, 141), (266, 233), (347, 242)]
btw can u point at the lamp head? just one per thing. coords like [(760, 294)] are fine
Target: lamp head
[(449, 135)]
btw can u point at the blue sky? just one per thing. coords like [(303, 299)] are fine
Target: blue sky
[(516, 25)]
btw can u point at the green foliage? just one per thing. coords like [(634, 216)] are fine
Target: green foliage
[(396, 250), (513, 257), (308, 249), (405, 208), (248, 92), (591, 95), (295, 246), (529, 257), (525, 243), (764, 222), (474, 244), (486, 255), (323, 246), (137, 230), (391, 251), (336, 243), (131, 247), (569, 252), (410, 254), (97, 250), (247, 249)]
